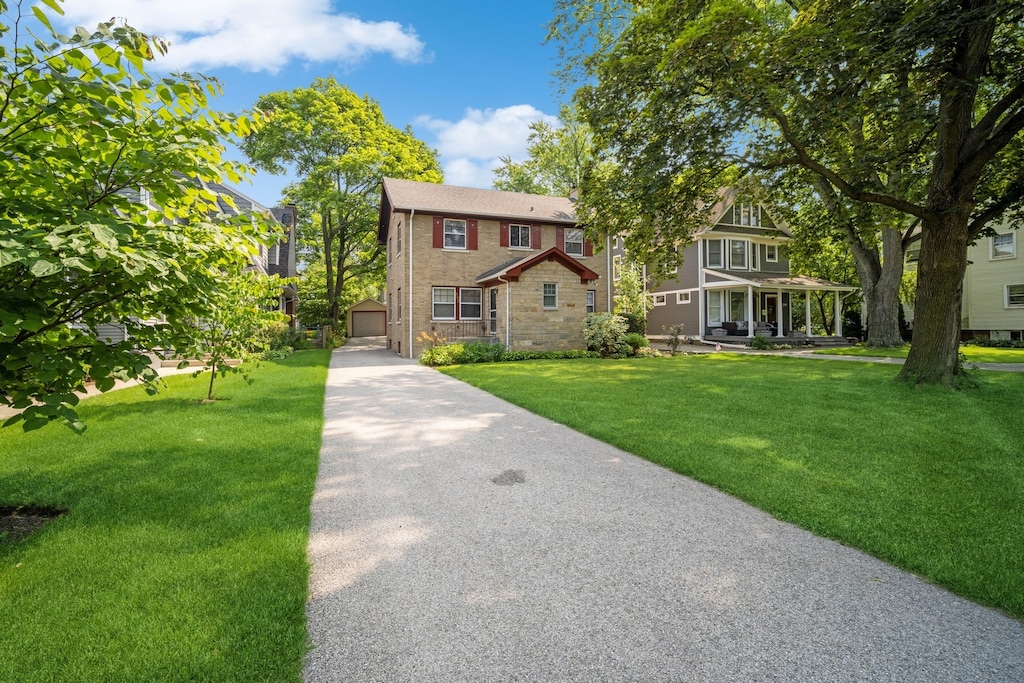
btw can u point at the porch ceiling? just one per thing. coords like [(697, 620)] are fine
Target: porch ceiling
[(797, 282)]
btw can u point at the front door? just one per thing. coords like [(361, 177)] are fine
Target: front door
[(771, 309)]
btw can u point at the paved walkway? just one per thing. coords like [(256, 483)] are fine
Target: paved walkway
[(456, 537)]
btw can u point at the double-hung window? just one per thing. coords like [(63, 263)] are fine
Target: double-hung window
[(715, 307), (550, 295), (457, 303), (591, 301), (444, 303), (454, 234), (1003, 246), (1015, 296), (574, 242), (747, 214), (519, 236), (771, 253), (715, 258), (470, 303), (737, 254)]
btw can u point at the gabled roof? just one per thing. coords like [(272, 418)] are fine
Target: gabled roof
[(728, 197), (512, 270), (450, 200)]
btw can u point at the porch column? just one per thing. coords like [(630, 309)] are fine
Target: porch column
[(807, 312), (839, 315), (750, 312), (701, 319), (778, 313)]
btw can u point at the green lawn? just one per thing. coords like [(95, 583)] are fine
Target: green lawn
[(974, 354), (928, 479), (183, 553)]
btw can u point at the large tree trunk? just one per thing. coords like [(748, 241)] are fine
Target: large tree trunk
[(882, 308), (934, 356)]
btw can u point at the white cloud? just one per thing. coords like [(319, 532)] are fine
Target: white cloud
[(256, 35), (470, 147)]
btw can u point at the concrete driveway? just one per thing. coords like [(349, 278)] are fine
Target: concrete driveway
[(456, 537)]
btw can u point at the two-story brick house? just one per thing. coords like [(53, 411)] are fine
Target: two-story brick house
[(506, 267), (735, 282)]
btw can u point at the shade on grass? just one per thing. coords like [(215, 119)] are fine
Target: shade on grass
[(928, 479), (183, 552)]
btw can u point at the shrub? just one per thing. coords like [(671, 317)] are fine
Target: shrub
[(674, 333), (636, 323), (760, 343), (636, 341), (647, 352), (483, 352), (996, 343), (606, 333), (279, 353)]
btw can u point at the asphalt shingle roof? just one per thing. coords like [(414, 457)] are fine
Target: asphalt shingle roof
[(405, 195)]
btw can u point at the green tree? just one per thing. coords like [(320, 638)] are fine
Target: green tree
[(238, 309), (101, 215), (341, 147), (558, 156), (915, 107), (314, 308)]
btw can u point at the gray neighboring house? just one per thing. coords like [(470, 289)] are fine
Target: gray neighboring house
[(276, 260), (735, 283)]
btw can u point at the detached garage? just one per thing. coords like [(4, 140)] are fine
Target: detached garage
[(368, 318)]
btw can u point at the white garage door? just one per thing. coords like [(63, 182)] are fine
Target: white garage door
[(368, 324)]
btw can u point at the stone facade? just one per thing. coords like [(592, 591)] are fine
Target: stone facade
[(409, 233)]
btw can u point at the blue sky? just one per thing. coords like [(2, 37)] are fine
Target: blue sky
[(469, 77)]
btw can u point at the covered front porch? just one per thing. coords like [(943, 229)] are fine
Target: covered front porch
[(738, 308)]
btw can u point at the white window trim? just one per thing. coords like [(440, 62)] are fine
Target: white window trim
[(721, 309), (544, 296), (992, 247), (746, 255), (459, 302), (591, 301), (769, 249), (1006, 295), (566, 242), (454, 303), (721, 263), (529, 236), (660, 299), (682, 297), (465, 235)]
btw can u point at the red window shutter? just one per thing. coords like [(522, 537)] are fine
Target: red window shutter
[(588, 248), (535, 237), (560, 237), (438, 232), (503, 234), (471, 242)]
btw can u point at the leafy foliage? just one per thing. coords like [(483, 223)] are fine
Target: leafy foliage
[(340, 146), (606, 334), (558, 157), (240, 310), (915, 109), (460, 353), (104, 212)]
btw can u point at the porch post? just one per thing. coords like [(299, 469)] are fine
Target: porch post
[(839, 315), (750, 311), (778, 313), (701, 320), (807, 312)]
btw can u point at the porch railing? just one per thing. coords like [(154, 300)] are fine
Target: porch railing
[(461, 329)]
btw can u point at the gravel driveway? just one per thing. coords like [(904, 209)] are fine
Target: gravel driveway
[(456, 537)]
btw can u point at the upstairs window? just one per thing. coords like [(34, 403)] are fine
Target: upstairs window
[(454, 234), (747, 214), (519, 236), (771, 253), (737, 254), (715, 254), (1003, 246), (574, 242)]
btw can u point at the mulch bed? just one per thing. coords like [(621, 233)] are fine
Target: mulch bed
[(24, 520)]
